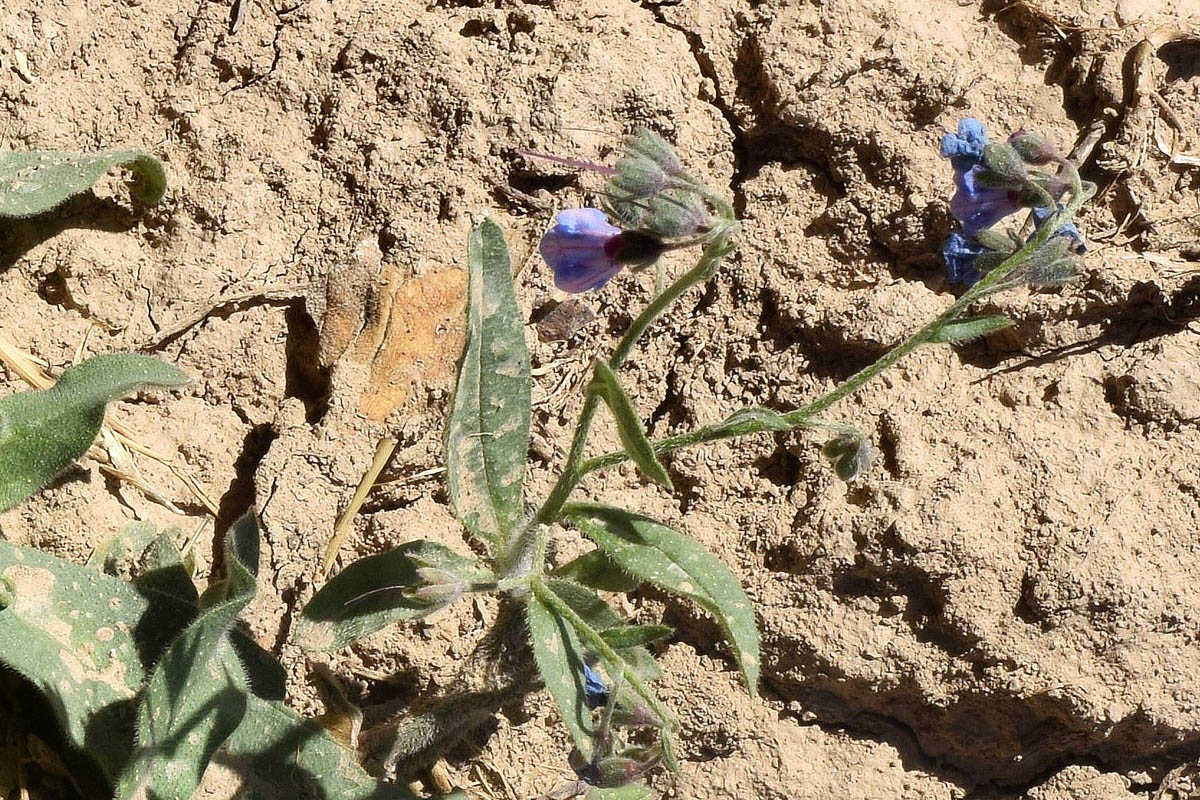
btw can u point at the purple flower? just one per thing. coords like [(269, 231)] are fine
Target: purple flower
[(960, 255), (975, 205), (978, 206), (581, 248), (584, 250), (595, 690)]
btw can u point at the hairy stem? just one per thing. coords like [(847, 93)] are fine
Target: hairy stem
[(719, 247), (593, 639), (803, 416)]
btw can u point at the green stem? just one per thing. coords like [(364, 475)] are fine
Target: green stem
[(593, 640), (801, 417), (710, 260)]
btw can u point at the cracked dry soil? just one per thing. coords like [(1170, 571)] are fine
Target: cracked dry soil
[(1005, 606)]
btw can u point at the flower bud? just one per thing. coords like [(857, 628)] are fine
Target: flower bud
[(638, 176), (1034, 148), (649, 145), (676, 212), (850, 453), (1003, 160)]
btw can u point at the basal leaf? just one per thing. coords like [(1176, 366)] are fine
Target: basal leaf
[(43, 432), (35, 181), (195, 698), (487, 433), (673, 562), (69, 630), (276, 755), (629, 426), (964, 330), (376, 591), (560, 660)]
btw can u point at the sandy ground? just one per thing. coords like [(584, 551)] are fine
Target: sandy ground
[(1006, 605)]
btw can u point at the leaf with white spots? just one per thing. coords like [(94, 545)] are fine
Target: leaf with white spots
[(560, 658), (197, 695), (35, 181), (487, 432), (69, 631), (671, 561)]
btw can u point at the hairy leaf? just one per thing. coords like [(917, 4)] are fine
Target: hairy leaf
[(43, 432), (35, 181), (964, 330), (635, 635), (376, 591), (194, 700), (162, 568), (560, 660), (487, 433), (677, 564), (600, 616), (598, 571), (73, 630), (629, 426)]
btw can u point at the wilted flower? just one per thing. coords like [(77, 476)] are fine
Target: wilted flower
[(584, 250)]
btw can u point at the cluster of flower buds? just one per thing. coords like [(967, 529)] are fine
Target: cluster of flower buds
[(994, 180), (655, 204), (850, 453)]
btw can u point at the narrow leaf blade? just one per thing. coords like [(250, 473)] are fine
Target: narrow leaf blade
[(487, 433), (635, 635), (559, 656), (195, 698), (631, 792), (673, 562), (376, 591), (598, 571), (964, 330), (35, 181), (43, 432), (629, 427)]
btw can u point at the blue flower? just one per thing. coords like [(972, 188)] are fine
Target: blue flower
[(595, 690), (960, 255), (582, 249), (976, 205), (979, 207), (965, 148)]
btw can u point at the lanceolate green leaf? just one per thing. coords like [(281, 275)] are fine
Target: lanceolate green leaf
[(43, 432), (560, 658), (487, 434), (77, 627), (635, 635), (35, 181), (629, 427), (600, 616), (379, 590), (673, 562), (964, 330), (598, 571), (195, 699)]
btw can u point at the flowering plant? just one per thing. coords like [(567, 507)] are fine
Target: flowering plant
[(554, 628), (190, 689)]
